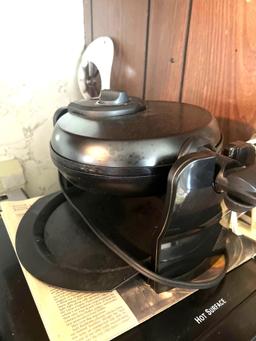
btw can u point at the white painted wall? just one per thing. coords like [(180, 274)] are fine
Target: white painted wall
[(40, 43)]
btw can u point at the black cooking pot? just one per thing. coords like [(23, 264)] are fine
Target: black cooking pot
[(123, 145)]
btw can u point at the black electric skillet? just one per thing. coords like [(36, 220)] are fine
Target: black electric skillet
[(146, 179), (122, 145)]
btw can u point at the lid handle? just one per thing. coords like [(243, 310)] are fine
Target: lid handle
[(113, 97)]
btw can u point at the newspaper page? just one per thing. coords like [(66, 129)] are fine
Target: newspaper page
[(70, 315)]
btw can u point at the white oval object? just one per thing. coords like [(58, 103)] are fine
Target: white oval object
[(100, 52)]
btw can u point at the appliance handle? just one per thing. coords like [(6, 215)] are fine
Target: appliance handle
[(58, 113), (239, 185), (203, 284), (237, 176)]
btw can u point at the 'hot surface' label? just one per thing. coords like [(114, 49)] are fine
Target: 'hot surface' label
[(209, 311)]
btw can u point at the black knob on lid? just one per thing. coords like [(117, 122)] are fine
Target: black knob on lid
[(112, 97), (110, 103)]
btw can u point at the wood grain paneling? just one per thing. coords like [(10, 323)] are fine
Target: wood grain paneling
[(167, 38), (126, 23), (87, 21), (220, 72)]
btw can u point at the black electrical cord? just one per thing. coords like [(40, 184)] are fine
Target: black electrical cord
[(204, 284)]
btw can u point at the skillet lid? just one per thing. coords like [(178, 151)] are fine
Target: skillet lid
[(121, 131)]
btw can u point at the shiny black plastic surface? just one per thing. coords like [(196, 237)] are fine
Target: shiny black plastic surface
[(192, 213), (237, 176), (171, 239), (57, 247), (148, 138), (110, 103)]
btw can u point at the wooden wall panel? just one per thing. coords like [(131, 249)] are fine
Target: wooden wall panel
[(126, 23), (220, 72), (166, 47), (87, 21)]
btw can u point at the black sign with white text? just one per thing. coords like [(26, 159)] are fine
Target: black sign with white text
[(223, 313)]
